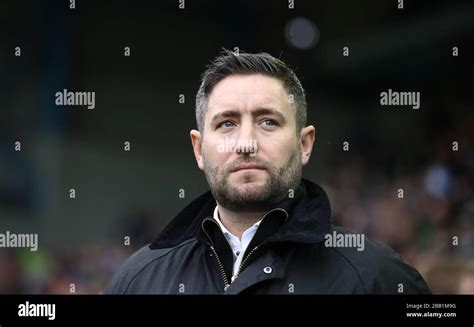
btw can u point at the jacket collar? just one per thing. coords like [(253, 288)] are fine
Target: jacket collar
[(308, 219)]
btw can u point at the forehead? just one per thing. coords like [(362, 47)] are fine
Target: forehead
[(247, 92)]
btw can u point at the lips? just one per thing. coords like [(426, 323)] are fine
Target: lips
[(247, 166)]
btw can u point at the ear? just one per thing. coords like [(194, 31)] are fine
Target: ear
[(307, 137), (196, 141)]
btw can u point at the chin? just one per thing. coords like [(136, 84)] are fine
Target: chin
[(249, 180), (251, 188)]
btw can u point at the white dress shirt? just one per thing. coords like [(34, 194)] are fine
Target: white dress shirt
[(238, 246)]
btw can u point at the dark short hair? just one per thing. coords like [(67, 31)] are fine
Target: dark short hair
[(229, 63)]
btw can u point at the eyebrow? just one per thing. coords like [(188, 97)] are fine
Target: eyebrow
[(255, 113)]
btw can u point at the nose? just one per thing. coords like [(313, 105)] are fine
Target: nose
[(247, 140)]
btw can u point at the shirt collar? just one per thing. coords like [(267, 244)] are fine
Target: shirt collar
[(224, 229)]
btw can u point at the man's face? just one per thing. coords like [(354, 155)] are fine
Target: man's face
[(250, 151)]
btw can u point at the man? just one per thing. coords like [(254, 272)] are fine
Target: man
[(261, 229)]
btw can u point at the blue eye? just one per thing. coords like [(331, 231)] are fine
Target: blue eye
[(271, 121), (226, 124)]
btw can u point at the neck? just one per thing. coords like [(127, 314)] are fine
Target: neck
[(238, 222)]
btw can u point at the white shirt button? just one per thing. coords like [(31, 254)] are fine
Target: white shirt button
[(267, 270)]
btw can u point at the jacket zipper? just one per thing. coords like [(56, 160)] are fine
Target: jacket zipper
[(219, 262), (244, 261), (242, 264), (221, 268)]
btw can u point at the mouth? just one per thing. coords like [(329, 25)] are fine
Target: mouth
[(247, 167)]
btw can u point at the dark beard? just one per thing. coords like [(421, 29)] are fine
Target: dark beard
[(278, 183)]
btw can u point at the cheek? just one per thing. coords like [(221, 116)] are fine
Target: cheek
[(212, 153), (278, 149)]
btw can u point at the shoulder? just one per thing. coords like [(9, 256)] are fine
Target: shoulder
[(380, 269), (139, 263)]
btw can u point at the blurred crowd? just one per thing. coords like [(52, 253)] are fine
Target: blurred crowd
[(425, 212), (84, 270)]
